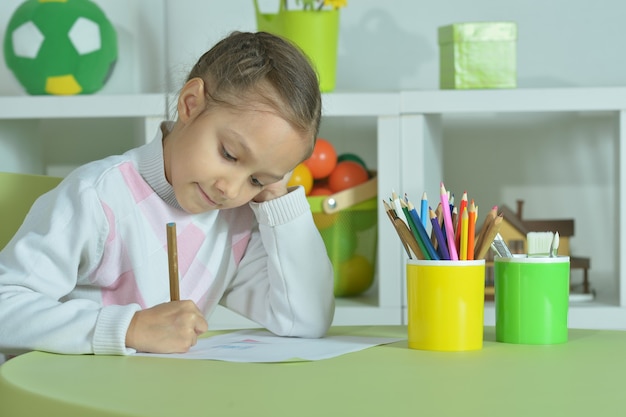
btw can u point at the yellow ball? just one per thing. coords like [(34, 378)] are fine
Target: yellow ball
[(353, 276), (324, 221), (301, 176)]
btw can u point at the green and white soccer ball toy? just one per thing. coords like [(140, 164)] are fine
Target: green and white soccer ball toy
[(60, 47)]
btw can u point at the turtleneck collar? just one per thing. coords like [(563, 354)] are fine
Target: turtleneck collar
[(152, 168)]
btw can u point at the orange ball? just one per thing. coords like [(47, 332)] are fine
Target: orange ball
[(323, 159), (301, 175), (347, 174)]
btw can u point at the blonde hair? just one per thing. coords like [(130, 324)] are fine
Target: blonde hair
[(266, 68)]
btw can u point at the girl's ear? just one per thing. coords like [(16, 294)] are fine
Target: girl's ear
[(191, 100)]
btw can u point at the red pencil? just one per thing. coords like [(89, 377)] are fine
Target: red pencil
[(471, 230), (462, 207)]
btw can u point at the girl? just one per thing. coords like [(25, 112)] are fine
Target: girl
[(87, 272)]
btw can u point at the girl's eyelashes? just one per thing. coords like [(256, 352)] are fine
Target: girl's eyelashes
[(255, 182), (228, 156)]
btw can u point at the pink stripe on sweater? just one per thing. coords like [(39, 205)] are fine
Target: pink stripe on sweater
[(190, 239), (138, 187), (114, 274), (196, 283), (111, 265), (123, 291), (240, 244)]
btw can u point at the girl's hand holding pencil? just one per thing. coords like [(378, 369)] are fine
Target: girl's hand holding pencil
[(451, 237), (171, 327)]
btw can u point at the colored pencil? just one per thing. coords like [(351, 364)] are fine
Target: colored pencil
[(471, 230), (463, 236), (413, 229), (489, 218), (462, 207), (392, 216), (455, 221), (395, 200), (424, 210), (438, 234), (172, 257), (447, 221), (405, 233), (489, 236), (421, 231)]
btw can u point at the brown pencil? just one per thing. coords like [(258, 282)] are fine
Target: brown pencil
[(489, 236), (391, 213), (407, 236), (489, 218), (172, 257)]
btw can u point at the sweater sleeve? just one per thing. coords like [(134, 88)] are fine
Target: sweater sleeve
[(59, 242), (285, 280)]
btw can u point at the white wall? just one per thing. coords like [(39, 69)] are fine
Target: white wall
[(561, 166), (393, 45)]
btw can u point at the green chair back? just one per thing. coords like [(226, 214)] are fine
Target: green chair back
[(18, 192)]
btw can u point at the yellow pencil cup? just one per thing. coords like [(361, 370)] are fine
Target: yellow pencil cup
[(446, 303)]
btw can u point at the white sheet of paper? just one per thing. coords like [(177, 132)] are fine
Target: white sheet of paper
[(263, 346)]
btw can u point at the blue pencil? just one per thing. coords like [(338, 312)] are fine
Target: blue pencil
[(442, 246), (424, 210)]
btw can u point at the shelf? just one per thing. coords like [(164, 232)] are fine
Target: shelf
[(423, 113), (361, 104), (85, 106), (409, 135), (514, 100)]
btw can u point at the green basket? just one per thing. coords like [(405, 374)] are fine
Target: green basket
[(350, 235)]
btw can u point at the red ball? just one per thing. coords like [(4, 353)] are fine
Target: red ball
[(323, 159), (320, 189), (347, 174)]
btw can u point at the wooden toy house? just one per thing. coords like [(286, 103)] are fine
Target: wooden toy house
[(514, 229)]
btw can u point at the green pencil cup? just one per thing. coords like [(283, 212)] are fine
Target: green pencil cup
[(315, 32), (532, 299)]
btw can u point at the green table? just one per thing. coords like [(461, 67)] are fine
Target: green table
[(580, 378)]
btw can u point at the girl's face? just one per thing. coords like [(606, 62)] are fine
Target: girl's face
[(222, 158)]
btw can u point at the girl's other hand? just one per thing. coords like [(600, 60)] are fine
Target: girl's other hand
[(275, 190), (171, 327)]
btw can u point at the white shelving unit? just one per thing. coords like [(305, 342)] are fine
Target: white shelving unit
[(26, 120), (139, 106), (147, 109), (409, 135), (125, 112), (421, 114)]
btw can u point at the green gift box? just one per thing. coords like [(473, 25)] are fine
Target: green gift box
[(478, 55)]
